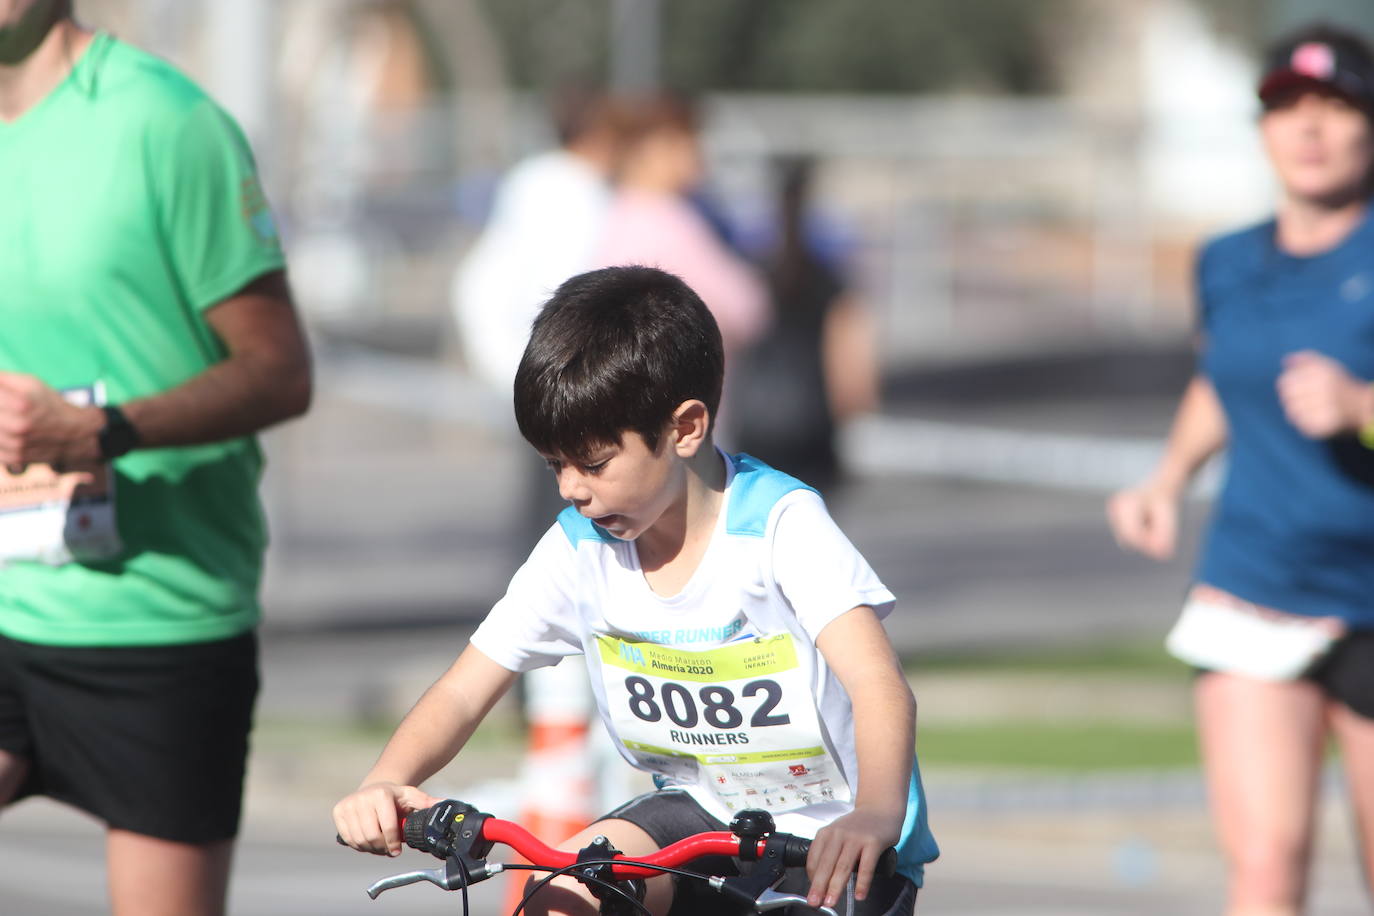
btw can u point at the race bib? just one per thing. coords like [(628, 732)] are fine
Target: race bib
[(738, 719), (55, 518)]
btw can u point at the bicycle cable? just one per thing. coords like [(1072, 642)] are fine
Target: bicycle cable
[(463, 887), (610, 885)]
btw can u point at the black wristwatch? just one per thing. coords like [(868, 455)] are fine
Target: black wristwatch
[(118, 437)]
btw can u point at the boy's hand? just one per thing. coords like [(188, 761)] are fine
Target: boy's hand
[(369, 820), (849, 844)]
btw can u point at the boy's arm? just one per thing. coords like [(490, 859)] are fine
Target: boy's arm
[(856, 648), (430, 735)]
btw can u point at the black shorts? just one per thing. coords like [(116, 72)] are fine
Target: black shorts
[(1347, 672), (150, 739), (668, 815)]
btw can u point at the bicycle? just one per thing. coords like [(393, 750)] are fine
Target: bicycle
[(463, 837)]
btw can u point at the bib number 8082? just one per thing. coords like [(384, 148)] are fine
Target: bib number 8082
[(718, 703)]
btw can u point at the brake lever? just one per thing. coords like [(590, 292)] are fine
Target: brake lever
[(767, 899), (774, 900), (450, 877)]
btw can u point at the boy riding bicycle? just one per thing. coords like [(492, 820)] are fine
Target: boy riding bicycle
[(731, 632)]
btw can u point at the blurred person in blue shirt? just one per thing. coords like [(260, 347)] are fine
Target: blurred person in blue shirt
[(1280, 621)]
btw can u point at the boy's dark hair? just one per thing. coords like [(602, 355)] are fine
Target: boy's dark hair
[(615, 350)]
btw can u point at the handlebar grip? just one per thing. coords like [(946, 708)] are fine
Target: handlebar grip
[(413, 828), (887, 863), (795, 852)]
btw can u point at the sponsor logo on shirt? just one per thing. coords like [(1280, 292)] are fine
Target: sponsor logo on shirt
[(1356, 287), (688, 635), (256, 214)]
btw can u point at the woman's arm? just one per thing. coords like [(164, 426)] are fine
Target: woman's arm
[(1145, 517), (849, 355)]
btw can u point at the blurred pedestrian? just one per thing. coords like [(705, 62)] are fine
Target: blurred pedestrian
[(816, 365), (653, 222), (547, 220), (1280, 623), (148, 333)]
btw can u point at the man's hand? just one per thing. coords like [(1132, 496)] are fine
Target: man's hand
[(1321, 398), (37, 424), (850, 844)]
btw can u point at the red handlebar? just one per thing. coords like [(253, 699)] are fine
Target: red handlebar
[(463, 836), (718, 843)]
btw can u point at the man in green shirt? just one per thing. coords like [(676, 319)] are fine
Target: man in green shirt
[(146, 333)]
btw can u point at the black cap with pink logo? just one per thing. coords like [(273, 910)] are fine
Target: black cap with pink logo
[(1322, 57)]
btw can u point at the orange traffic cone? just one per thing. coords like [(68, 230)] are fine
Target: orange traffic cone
[(558, 784)]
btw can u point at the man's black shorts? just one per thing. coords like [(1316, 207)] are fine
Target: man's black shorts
[(150, 739), (668, 815)]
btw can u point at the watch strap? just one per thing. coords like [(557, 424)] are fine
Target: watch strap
[(118, 437)]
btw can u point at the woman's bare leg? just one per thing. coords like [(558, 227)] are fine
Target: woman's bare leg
[(1262, 747), (1356, 736)]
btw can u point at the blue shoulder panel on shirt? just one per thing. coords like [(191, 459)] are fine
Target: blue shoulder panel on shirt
[(578, 528), (753, 493)]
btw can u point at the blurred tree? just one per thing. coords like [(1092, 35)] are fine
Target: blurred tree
[(1255, 22), (549, 42), (875, 46), (1243, 20), (879, 46)]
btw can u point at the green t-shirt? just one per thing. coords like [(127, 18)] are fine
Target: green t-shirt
[(130, 207)]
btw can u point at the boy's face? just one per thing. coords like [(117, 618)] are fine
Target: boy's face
[(626, 488)]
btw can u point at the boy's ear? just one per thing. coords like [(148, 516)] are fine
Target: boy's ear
[(691, 427)]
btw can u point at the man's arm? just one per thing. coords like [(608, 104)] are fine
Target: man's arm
[(857, 649), (264, 378), (430, 735)]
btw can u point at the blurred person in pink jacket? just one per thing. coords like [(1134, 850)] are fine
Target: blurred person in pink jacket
[(652, 222)]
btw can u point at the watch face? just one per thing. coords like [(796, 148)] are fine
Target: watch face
[(119, 436)]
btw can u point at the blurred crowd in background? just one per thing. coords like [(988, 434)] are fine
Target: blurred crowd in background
[(978, 183), (998, 175)]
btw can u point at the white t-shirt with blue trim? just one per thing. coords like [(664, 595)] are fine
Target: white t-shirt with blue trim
[(719, 689)]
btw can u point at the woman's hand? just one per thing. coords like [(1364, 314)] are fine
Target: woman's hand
[(850, 844), (369, 820), (1145, 519), (1321, 398)]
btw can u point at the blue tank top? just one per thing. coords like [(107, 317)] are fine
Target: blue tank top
[(1294, 526)]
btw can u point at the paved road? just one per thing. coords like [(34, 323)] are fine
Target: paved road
[(394, 530), (1023, 860)]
